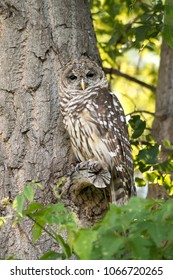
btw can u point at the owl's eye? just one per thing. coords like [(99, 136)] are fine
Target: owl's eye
[(72, 77), (90, 74)]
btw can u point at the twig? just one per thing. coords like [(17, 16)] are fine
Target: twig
[(128, 77), (141, 111)]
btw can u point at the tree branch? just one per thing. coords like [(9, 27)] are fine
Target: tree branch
[(128, 77), (141, 111)]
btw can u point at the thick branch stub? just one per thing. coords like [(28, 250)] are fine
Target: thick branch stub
[(86, 192)]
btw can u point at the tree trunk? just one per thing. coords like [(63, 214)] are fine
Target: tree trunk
[(162, 125), (163, 122), (37, 38)]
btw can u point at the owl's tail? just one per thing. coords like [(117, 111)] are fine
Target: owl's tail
[(121, 187)]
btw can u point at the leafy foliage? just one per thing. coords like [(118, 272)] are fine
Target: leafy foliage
[(127, 24), (131, 232), (129, 38), (148, 154), (168, 29), (126, 232), (43, 218)]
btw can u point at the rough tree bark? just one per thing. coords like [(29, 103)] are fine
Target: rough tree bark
[(37, 37), (163, 122)]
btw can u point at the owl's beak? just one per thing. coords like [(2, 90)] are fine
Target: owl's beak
[(82, 84)]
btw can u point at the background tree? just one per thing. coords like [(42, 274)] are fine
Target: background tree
[(162, 126)]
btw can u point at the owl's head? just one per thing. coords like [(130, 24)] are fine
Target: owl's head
[(81, 75)]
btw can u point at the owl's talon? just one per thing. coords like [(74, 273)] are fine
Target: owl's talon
[(90, 165), (81, 166), (77, 168), (94, 167)]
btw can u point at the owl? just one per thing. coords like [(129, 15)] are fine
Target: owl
[(96, 124)]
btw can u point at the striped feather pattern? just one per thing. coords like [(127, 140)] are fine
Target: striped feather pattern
[(97, 127)]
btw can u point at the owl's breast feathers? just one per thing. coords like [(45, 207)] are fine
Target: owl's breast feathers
[(100, 119)]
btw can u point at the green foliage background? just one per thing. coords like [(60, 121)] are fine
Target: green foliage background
[(140, 230), (129, 39), (129, 35)]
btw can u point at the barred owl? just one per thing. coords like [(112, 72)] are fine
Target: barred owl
[(95, 121)]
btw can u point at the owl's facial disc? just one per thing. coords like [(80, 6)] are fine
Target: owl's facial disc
[(82, 76)]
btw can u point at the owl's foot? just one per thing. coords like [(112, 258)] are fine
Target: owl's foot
[(94, 172), (90, 165)]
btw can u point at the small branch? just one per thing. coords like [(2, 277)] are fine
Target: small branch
[(128, 77), (141, 142), (42, 227), (141, 111)]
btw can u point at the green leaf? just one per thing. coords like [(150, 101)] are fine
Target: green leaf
[(36, 232), (149, 155), (83, 243), (111, 8), (137, 125), (18, 204), (168, 23), (33, 206), (66, 248), (138, 247), (110, 244), (143, 167), (152, 176), (140, 182), (141, 32), (166, 166), (157, 233), (29, 192), (52, 255), (167, 143)]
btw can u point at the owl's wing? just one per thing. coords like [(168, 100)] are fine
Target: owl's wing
[(112, 127), (110, 122)]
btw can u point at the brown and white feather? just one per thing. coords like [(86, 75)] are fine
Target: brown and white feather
[(96, 123)]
